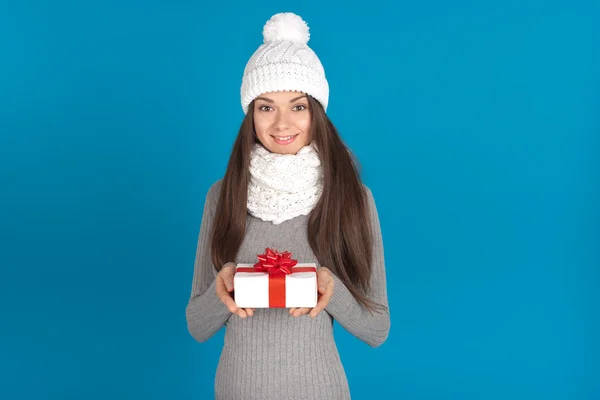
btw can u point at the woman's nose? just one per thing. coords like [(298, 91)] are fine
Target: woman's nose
[(282, 120)]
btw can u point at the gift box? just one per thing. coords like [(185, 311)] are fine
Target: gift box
[(275, 281)]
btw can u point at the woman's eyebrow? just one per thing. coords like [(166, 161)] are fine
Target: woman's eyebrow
[(297, 98), (271, 101), (265, 99)]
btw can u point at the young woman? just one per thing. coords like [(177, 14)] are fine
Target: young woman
[(291, 185)]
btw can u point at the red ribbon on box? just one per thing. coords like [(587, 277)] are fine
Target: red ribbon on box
[(277, 265)]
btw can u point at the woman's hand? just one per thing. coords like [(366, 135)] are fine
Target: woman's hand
[(325, 289), (224, 289)]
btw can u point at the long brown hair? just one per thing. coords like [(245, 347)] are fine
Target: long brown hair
[(339, 227)]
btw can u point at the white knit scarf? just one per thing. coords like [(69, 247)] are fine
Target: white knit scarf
[(284, 186)]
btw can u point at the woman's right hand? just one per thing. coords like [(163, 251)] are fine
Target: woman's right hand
[(224, 289)]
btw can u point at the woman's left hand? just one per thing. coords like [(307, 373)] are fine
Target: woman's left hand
[(325, 291)]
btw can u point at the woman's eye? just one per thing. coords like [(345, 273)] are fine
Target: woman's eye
[(264, 108), (300, 107)]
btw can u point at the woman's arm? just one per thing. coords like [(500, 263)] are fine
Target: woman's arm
[(205, 312), (372, 328)]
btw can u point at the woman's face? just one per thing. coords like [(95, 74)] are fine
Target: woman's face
[(282, 121)]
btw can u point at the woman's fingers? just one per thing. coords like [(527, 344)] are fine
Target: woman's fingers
[(224, 288), (241, 313), (225, 296), (323, 299), (228, 301), (226, 274), (325, 288), (244, 312), (296, 312)]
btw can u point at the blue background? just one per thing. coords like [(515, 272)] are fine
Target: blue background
[(477, 126)]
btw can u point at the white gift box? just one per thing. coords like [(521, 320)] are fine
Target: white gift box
[(262, 290)]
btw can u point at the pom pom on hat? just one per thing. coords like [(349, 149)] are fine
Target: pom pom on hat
[(286, 27)]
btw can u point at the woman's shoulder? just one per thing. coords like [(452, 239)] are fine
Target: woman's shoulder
[(370, 201), (214, 190), (368, 192)]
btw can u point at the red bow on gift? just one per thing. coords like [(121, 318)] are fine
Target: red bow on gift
[(275, 263)]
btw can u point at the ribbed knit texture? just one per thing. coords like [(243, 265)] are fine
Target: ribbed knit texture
[(272, 355)]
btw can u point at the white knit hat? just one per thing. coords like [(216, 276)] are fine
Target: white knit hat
[(284, 62)]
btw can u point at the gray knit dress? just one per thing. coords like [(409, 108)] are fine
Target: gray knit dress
[(272, 355)]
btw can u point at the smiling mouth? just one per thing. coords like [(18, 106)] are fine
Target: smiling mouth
[(284, 139)]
